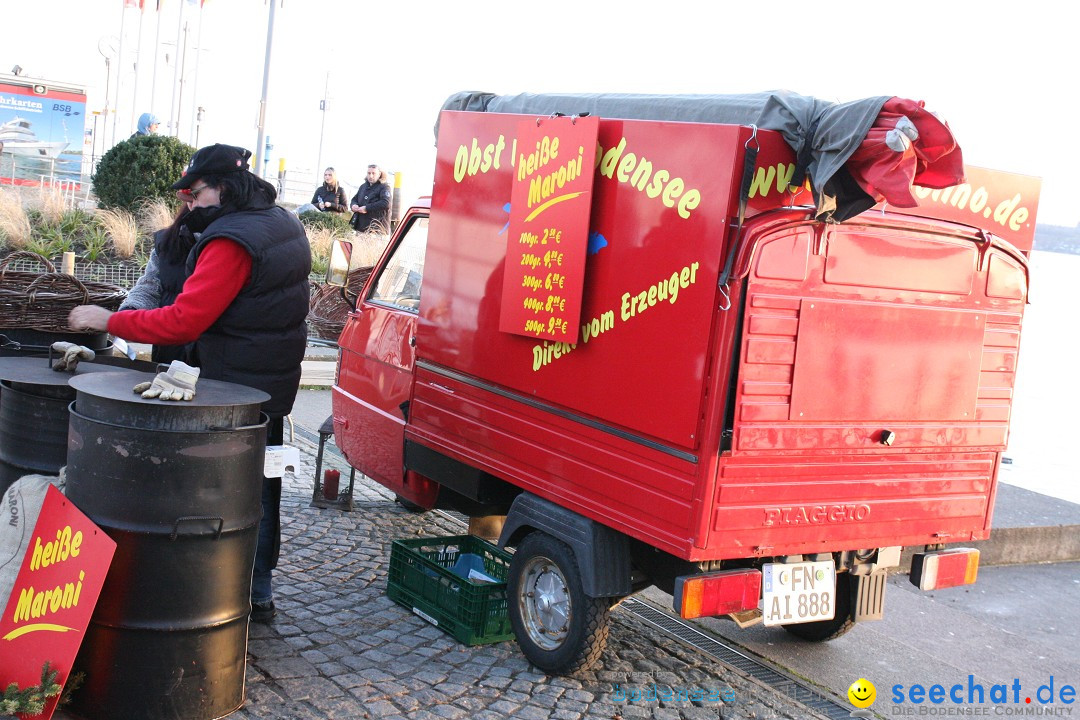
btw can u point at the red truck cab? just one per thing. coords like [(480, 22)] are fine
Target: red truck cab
[(761, 443)]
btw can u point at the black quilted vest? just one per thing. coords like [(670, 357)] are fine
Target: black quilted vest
[(172, 272), (260, 339)]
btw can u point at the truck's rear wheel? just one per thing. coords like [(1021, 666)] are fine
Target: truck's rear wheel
[(559, 628), (824, 630)]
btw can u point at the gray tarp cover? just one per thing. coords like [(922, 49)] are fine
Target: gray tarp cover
[(833, 130)]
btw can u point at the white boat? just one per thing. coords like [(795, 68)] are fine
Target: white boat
[(17, 138)]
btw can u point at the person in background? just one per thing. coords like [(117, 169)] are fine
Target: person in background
[(330, 196), (241, 311), (163, 277), (371, 204), (148, 125)]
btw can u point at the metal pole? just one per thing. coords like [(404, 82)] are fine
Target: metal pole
[(119, 72), (157, 52), (138, 58), (265, 88), (183, 65), (173, 119), (395, 203), (322, 130), (105, 122), (194, 132)]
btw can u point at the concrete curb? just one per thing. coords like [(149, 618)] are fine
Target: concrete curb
[(1019, 546)]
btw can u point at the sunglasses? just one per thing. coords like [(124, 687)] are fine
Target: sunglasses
[(194, 192)]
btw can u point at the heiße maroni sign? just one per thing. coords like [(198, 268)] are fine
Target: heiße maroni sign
[(55, 593)]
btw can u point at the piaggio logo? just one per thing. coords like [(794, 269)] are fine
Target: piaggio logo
[(815, 514)]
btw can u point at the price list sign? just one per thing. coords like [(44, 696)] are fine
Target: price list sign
[(550, 202)]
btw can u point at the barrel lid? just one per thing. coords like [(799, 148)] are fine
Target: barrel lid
[(37, 371), (118, 384), (108, 397)]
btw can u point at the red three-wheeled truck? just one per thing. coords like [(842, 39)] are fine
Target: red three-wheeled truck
[(756, 408)]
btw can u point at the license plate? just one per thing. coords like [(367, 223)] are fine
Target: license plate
[(798, 592)]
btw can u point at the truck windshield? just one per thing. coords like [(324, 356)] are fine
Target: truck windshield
[(399, 281)]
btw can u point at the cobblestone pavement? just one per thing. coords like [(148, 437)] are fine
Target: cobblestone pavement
[(340, 648)]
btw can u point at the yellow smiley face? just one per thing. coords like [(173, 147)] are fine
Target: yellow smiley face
[(862, 693)]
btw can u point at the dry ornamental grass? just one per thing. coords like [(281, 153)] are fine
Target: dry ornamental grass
[(155, 215), (367, 248), (52, 205), (15, 227), (122, 229)]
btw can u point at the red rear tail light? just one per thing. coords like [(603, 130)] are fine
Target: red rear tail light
[(717, 593), (944, 568)]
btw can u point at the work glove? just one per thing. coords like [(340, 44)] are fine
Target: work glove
[(70, 355), (176, 383)]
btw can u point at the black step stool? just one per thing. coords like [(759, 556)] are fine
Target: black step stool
[(344, 500)]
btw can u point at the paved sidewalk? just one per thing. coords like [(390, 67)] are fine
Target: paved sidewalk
[(340, 648)]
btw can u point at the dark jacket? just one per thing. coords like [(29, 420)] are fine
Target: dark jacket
[(375, 198), (335, 196), (172, 272), (261, 337)]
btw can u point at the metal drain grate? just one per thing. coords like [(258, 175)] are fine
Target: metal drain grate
[(684, 632)]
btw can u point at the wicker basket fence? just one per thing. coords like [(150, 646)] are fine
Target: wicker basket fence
[(42, 301), (330, 307)]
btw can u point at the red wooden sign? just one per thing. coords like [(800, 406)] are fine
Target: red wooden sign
[(1000, 202), (55, 593), (550, 203)]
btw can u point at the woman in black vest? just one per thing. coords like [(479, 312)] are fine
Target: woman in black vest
[(163, 277), (242, 308)]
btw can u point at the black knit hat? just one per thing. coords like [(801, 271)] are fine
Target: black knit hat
[(213, 160)]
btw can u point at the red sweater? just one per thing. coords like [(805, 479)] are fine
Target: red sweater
[(222, 270)]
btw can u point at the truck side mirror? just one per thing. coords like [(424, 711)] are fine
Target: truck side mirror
[(337, 272)]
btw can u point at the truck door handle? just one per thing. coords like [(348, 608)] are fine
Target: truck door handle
[(443, 388), (412, 341)]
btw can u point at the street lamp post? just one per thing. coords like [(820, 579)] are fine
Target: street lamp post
[(198, 124), (323, 105), (265, 87)]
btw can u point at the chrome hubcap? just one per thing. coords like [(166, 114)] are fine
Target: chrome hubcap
[(544, 603)]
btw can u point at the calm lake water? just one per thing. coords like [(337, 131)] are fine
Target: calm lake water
[(1044, 444)]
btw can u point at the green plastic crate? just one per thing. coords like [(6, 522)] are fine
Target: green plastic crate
[(420, 579)]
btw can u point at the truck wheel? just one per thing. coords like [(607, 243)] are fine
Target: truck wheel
[(559, 628), (824, 630)]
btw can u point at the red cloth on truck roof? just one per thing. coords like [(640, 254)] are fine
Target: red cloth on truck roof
[(932, 160)]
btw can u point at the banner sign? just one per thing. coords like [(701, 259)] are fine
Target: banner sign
[(41, 122), (55, 593), (999, 202), (550, 204)]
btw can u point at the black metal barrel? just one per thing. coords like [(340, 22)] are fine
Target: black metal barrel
[(34, 416), (177, 485), (21, 342)]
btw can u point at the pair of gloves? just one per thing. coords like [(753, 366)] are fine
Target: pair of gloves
[(176, 383), (69, 356)]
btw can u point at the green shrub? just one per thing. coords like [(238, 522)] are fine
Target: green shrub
[(140, 169), (318, 220), (319, 265), (43, 246), (95, 243), (75, 222)]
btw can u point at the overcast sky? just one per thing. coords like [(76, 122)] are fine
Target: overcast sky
[(1001, 73)]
